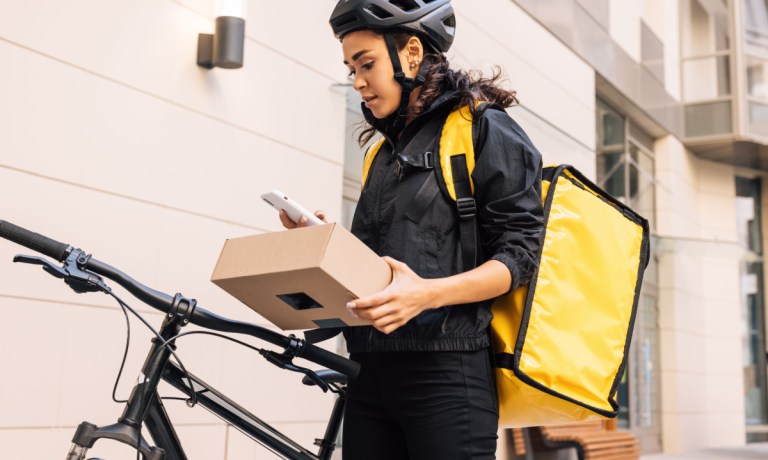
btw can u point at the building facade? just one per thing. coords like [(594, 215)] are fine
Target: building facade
[(114, 140)]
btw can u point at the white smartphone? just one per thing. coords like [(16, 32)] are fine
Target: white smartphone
[(294, 210)]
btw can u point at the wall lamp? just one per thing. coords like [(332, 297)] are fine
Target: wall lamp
[(224, 48)]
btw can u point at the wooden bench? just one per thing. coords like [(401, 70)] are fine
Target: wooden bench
[(594, 440)]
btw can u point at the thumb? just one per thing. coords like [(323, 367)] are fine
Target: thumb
[(395, 264)]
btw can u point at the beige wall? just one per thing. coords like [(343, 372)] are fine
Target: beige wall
[(700, 317), (112, 139), (557, 94), (625, 25)]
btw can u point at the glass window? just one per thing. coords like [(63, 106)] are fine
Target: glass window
[(749, 225), (706, 78), (706, 67), (757, 78), (611, 128), (610, 173), (758, 118), (705, 27), (708, 119), (641, 181), (756, 21)]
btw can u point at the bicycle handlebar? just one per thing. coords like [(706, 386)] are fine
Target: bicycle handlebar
[(164, 302), (34, 241)]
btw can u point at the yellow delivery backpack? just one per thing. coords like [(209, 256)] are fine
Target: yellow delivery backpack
[(562, 341)]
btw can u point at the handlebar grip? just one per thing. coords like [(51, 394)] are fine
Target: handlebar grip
[(34, 241), (330, 360)]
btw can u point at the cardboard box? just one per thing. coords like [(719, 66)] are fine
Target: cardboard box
[(301, 278)]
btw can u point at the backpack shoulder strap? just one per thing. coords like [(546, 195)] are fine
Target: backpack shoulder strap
[(456, 141), (457, 161), (370, 155)]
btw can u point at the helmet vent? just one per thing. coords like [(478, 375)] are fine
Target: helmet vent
[(343, 21), (378, 11), (405, 5), (427, 1)]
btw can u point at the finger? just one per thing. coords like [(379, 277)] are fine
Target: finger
[(286, 221), (374, 300), (303, 221), (387, 327), (321, 215), (374, 314)]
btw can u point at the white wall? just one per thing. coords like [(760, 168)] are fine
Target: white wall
[(625, 26), (112, 139), (557, 93), (699, 288), (671, 38)]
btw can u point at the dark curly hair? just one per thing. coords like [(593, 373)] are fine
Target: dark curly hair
[(471, 85)]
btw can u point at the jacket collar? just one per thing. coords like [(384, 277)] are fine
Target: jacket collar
[(384, 125)]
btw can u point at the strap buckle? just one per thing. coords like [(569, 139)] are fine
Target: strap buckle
[(429, 160), (467, 208)]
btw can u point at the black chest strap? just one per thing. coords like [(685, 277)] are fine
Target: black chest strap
[(467, 210)]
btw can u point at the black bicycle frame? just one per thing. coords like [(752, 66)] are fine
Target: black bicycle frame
[(145, 406)]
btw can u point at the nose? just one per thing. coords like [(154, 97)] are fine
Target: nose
[(359, 82)]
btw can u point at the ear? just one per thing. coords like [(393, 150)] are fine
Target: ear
[(414, 49), (412, 53)]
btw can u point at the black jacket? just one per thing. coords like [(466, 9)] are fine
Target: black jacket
[(507, 178)]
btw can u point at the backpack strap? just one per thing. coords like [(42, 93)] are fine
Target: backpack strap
[(370, 155), (457, 161), (456, 139)]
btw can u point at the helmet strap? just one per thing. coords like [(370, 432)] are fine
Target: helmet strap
[(407, 84)]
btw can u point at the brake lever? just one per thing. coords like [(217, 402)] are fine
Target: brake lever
[(79, 280), (48, 266), (285, 361), (315, 378)]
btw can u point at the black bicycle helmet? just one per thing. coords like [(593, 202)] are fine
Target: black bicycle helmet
[(433, 20)]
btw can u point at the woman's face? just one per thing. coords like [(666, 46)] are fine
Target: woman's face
[(370, 67)]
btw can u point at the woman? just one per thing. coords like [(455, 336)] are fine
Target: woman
[(426, 389)]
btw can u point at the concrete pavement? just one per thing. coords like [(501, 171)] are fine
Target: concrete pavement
[(748, 452)]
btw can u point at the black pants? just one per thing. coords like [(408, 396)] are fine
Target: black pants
[(421, 406)]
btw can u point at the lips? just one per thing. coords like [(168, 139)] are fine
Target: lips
[(368, 99)]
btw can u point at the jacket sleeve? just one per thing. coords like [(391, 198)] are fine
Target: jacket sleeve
[(507, 179)]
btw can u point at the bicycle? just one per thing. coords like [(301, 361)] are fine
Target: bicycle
[(144, 407)]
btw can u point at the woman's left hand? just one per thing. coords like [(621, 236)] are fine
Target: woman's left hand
[(407, 296)]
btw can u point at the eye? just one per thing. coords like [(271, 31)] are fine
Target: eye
[(368, 65)]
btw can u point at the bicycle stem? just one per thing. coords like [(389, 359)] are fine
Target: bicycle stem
[(151, 372)]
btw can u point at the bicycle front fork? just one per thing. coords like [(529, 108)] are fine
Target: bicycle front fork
[(87, 434)]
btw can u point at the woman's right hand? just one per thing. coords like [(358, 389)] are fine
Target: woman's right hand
[(289, 224)]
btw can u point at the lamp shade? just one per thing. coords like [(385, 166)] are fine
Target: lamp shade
[(228, 42), (224, 48)]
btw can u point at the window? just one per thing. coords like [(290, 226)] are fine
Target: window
[(706, 67), (625, 164), (756, 62), (749, 226)]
